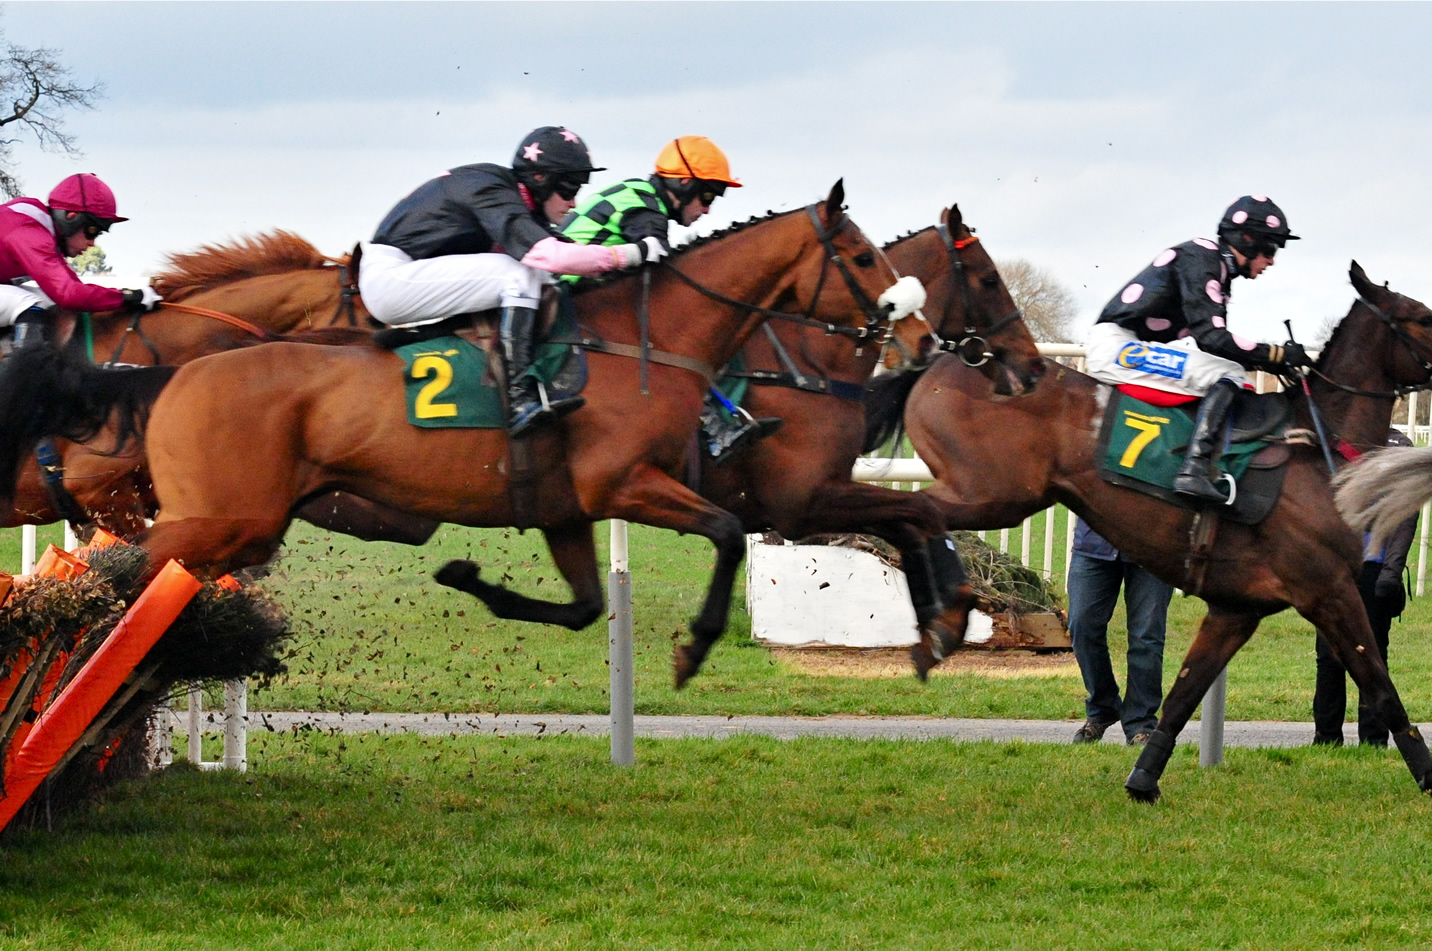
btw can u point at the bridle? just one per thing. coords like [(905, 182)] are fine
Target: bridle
[(972, 348), (875, 314), (1420, 352)]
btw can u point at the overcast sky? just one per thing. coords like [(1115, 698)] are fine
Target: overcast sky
[(1084, 137)]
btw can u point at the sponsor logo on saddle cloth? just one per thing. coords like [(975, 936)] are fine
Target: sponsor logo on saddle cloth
[(1151, 358), (1147, 443)]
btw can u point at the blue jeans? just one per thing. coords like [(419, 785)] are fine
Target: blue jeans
[(1093, 594)]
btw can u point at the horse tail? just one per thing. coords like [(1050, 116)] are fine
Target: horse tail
[(1385, 489), (885, 398), (46, 392)]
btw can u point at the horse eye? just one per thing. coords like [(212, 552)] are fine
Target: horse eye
[(991, 281), (865, 259)]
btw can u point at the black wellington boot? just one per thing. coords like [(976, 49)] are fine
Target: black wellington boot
[(1192, 479), (724, 436), (527, 401)]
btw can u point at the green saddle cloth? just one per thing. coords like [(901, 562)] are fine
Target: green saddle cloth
[(447, 385), (1148, 443)]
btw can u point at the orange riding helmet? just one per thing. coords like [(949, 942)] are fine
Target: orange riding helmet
[(695, 156)]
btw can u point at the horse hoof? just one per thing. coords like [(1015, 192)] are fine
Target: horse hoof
[(1142, 786), (923, 660), (682, 666), (458, 573)]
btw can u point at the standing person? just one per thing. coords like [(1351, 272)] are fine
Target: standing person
[(35, 239), (481, 236), (691, 173), (1384, 596), (1096, 572), (1168, 328)]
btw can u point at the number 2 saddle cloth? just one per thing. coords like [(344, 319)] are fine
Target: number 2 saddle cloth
[(451, 382), (1142, 445)]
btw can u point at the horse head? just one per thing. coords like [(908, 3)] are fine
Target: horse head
[(1407, 321), (970, 311)]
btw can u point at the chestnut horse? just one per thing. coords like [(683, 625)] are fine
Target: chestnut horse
[(999, 460), (797, 481), (216, 298), (307, 420)]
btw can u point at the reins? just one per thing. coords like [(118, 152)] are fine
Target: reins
[(1402, 337), (218, 315)]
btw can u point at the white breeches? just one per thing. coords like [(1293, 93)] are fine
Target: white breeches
[(1116, 355), (401, 291), (14, 301)]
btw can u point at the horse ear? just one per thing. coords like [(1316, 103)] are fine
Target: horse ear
[(835, 203), (1360, 281), (954, 220)]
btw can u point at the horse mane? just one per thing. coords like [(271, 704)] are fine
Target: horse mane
[(1333, 337), (588, 284), (275, 252), (904, 237)]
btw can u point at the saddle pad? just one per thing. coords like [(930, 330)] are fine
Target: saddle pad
[(445, 388), (1142, 446)]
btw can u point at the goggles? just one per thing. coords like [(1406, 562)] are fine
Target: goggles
[(567, 187), (710, 191)]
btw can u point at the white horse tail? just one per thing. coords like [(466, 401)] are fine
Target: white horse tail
[(1384, 489)]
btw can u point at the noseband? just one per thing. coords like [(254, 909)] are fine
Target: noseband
[(972, 349)]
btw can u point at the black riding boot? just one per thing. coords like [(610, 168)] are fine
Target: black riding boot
[(30, 327), (723, 436), (526, 398), (1192, 478)]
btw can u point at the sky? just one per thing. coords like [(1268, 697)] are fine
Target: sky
[(1084, 137)]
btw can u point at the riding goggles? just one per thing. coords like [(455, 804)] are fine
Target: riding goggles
[(710, 191), (567, 188)]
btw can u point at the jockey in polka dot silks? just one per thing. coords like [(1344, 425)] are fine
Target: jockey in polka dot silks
[(35, 239), (479, 237), (1167, 329), (691, 173)]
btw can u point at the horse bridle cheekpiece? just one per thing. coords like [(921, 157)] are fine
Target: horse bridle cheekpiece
[(972, 349)]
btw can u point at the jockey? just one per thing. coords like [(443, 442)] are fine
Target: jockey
[(479, 237), (691, 173), (1179, 306), (35, 239)]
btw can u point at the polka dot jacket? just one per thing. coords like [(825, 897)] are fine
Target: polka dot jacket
[(1183, 293)]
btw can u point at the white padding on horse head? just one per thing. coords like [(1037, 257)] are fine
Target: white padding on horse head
[(906, 296)]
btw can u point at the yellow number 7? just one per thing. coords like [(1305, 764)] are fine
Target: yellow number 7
[(1148, 432)]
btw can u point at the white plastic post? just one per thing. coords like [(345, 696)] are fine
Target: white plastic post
[(236, 725), (161, 736), (1049, 543), (196, 726), (27, 549), (71, 541), (620, 651), (1210, 728), (1026, 532)]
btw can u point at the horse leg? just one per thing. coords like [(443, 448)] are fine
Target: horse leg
[(212, 545), (575, 554), (650, 497), (942, 635), (1220, 636), (1342, 622)]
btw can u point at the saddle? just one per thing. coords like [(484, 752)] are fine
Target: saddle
[(1141, 447)]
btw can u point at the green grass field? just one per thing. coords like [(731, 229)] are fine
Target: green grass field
[(373, 632), (402, 842)]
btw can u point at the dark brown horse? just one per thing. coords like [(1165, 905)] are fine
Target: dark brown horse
[(216, 298), (238, 439), (999, 460), (797, 481)]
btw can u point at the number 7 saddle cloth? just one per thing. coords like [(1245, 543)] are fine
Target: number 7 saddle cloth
[(1141, 446)]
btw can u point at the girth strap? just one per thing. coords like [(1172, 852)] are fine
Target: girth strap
[(840, 389), (52, 471)]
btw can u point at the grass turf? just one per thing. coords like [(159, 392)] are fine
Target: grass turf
[(373, 632), (405, 842)]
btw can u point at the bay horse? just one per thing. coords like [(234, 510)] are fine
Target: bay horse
[(999, 460), (797, 480), (218, 297), (307, 419)]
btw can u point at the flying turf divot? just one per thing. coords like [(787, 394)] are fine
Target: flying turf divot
[(64, 722)]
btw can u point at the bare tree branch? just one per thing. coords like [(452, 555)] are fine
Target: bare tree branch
[(39, 89), (1048, 306)]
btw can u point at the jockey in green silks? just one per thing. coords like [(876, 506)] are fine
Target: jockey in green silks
[(691, 173)]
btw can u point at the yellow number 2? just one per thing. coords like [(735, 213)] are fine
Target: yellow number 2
[(441, 372), (1148, 432)]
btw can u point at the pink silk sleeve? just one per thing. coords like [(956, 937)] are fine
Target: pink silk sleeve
[(565, 257), (34, 248)]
